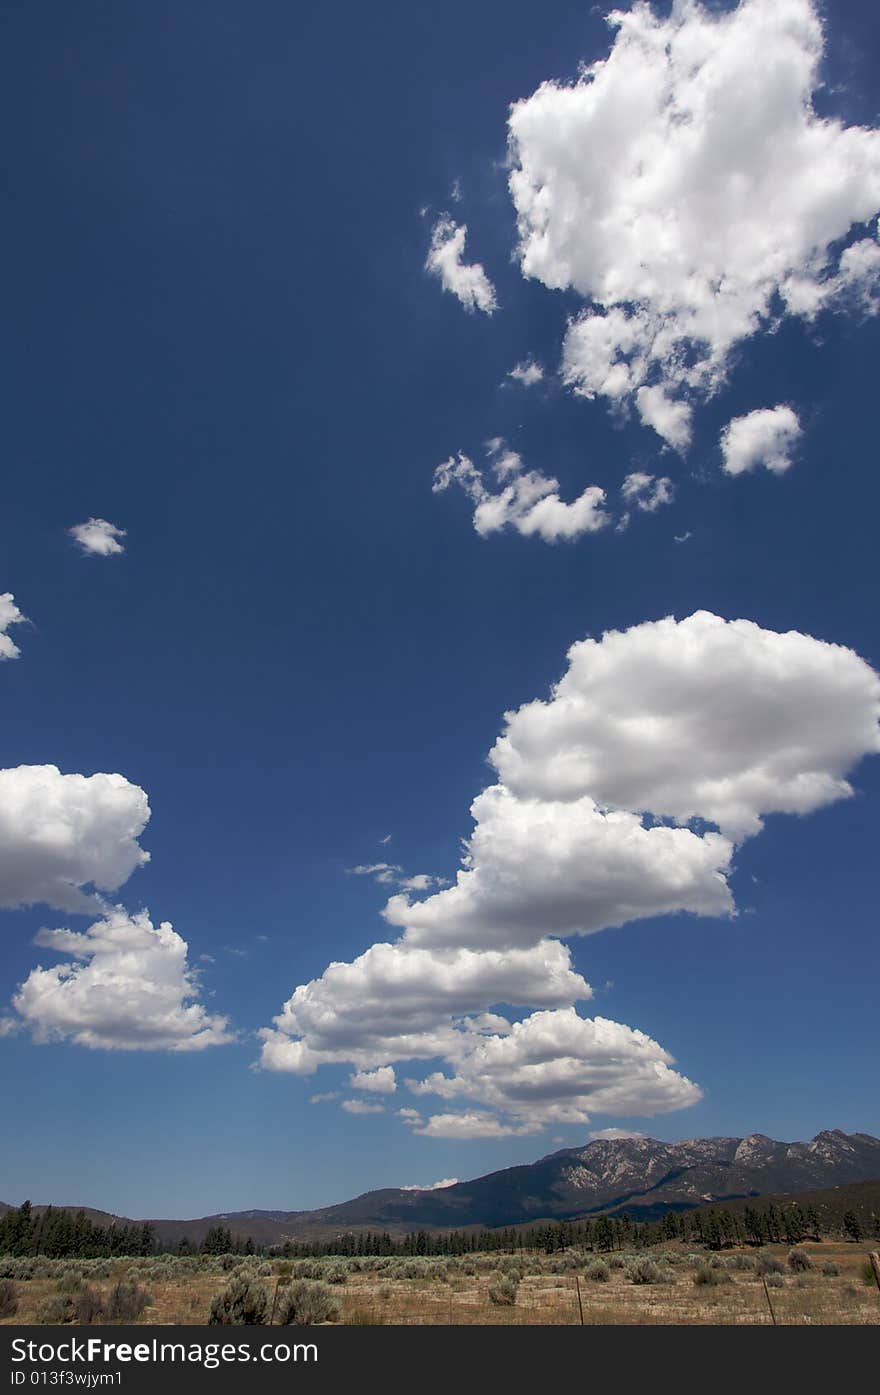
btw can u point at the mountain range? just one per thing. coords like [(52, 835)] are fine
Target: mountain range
[(642, 1176)]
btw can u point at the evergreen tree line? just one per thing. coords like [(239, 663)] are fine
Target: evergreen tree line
[(60, 1234)]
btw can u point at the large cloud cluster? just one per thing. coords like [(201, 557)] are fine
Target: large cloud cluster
[(687, 189), (620, 797)]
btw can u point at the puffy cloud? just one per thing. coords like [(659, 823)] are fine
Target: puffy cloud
[(361, 1107), (535, 867), (9, 615), (699, 718), (97, 537), (378, 1082), (557, 1067), (468, 282), (432, 1186), (527, 373), (687, 189), (765, 437), (126, 987), (476, 1123), (401, 1002), (61, 833), (526, 500)]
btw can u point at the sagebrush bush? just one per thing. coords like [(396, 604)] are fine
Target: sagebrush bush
[(774, 1279), (305, 1302), (768, 1264), (8, 1298), (830, 1270), (335, 1274), (88, 1305), (867, 1272), (709, 1274), (739, 1262), (616, 1262), (54, 1312), (243, 1302), (799, 1261), (642, 1270), (598, 1271), (502, 1291), (127, 1301)]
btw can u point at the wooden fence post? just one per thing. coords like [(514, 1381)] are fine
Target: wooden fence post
[(767, 1296), (580, 1304), (874, 1257)]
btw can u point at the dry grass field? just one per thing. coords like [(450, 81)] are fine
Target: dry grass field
[(457, 1292)]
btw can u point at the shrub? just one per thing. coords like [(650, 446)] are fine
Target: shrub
[(53, 1312), (88, 1305), (616, 1262), (774, 1279), (867, 1272), (711, 1274), (503, 1291), (69, 1281), (243, 1302), (126, 1302), (830, 1270), (335, 1274), (305, 1302), (799, 1261), (739, 1262), (598, 1271), (768, 1264), (8, 1298), (365, 1317), (643, 1271)]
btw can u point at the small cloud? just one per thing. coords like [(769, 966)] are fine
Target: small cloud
[(97, 537), (647, 492), (467, 282), (324, 1098), (381, 1081), (526, 500), (386, 840), (362, 1107), (382, 872), (9, 615), (765, 437), (410, 1116), (683, 537), (207, 959), (597, 1134), (455, 191), (431, 1186), (527, 373), (9, 1026)]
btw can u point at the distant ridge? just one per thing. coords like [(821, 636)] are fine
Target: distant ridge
[(642, 1175)]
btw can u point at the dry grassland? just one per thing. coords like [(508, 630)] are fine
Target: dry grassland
[(542, 1298)]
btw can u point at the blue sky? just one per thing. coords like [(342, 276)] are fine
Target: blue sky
[(220, 336)]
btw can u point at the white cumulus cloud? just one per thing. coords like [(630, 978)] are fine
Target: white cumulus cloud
[(764, 437), (381, 1081), (97, 537), (61, 833), (361, 1107), (468, 282), (9, 615), (524, 500), (700, 718), (686, 187), (559, 1068), (126, 986)]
